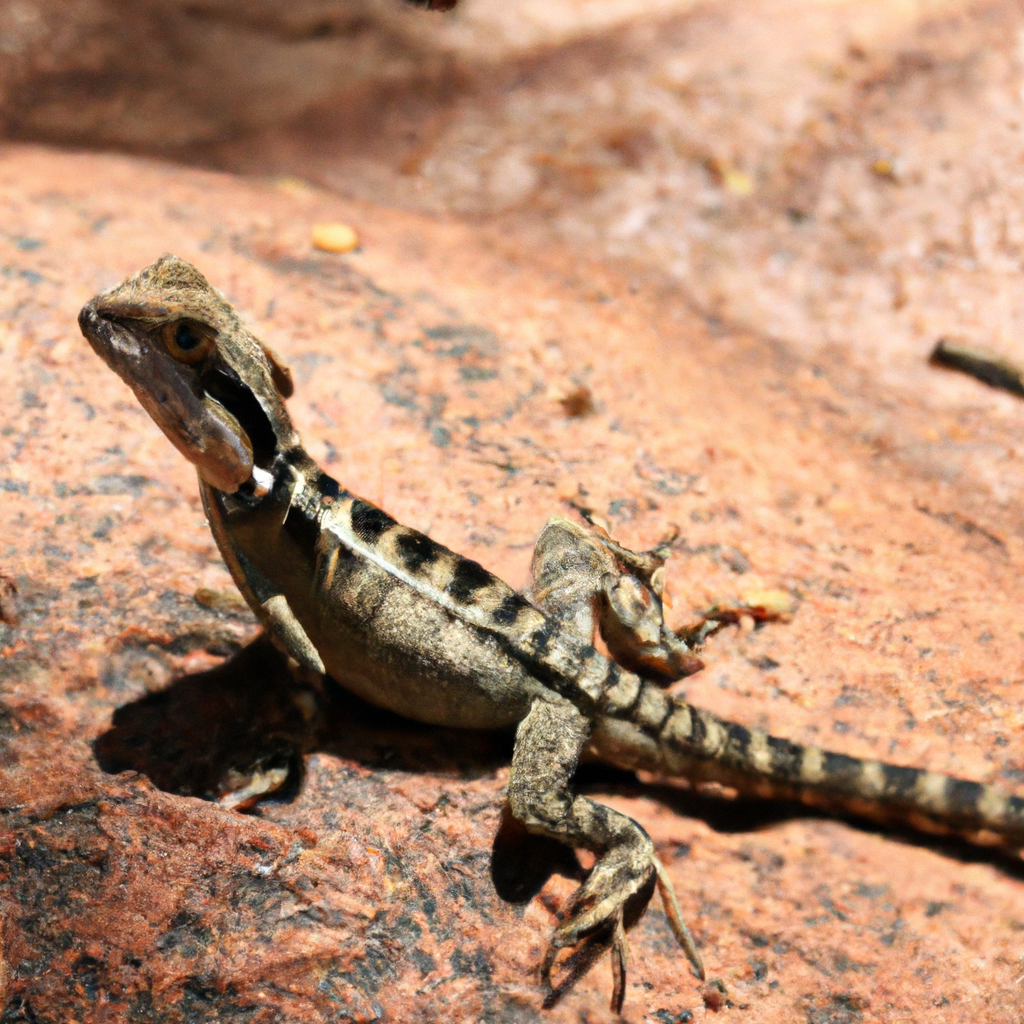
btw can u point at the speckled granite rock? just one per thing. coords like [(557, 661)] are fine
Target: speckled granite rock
[(429, 370)]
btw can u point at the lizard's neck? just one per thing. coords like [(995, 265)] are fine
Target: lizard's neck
[(287, 475)]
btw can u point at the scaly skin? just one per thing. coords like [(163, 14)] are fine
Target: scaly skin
[(413, 627)]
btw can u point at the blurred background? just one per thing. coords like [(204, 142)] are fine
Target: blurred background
[(827, 172)]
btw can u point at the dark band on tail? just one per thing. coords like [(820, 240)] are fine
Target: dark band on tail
[(700, 746)]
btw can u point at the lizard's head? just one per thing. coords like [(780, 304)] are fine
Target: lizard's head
[(211, 387)]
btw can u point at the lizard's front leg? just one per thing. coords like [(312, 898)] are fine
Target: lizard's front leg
[(620, 885), (266, 600), (590, 582), (587, 580)]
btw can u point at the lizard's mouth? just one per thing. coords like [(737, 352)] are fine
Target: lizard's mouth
[(223, 385)]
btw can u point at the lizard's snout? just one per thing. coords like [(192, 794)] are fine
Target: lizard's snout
[(206, 433), (90, 322), (108, 338)]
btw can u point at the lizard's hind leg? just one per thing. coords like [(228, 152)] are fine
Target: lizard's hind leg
[(587, 580), (620, 885)]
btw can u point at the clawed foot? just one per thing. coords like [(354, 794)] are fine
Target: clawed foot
[(601, 912), (629, 600)]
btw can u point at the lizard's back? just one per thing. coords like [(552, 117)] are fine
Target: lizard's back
[(401, 620)]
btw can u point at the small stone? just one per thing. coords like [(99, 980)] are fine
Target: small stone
[(8, 601), (885, 168), (778, 602), (715, 994), (335, 238), (219, 600), (577, 401), (729, 177)]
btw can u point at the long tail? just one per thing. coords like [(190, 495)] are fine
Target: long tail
[(659, 733)]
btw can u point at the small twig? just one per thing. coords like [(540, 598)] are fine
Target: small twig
[(985, 366)]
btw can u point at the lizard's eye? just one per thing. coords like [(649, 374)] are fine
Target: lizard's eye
[(187, 341)]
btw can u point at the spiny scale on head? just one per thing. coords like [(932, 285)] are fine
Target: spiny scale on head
[(178, 287)]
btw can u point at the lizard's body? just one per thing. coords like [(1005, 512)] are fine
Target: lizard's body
[(411, 626)]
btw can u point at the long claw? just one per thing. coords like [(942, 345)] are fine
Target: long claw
[(577, 964), (620, 961), (675, 919)]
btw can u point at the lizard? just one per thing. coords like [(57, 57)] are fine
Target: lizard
[(407, 624)]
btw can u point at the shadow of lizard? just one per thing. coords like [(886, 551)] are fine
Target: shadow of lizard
[(258, 719)]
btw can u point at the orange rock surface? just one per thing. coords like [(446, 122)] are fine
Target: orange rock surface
[(425, 368), (844, 179)]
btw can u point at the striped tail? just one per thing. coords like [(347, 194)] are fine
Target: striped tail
[(659, 733)]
